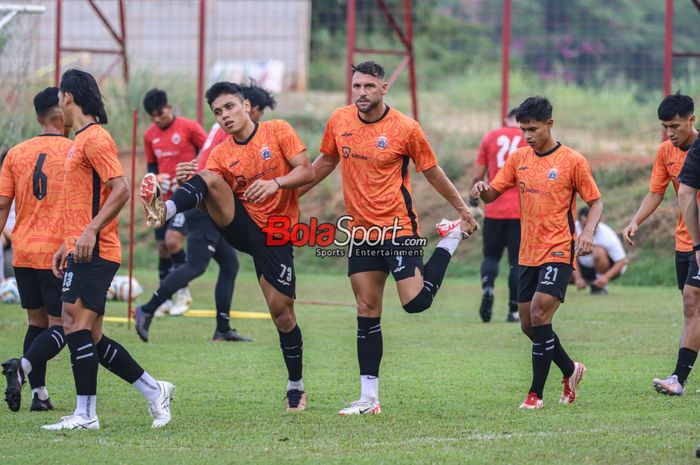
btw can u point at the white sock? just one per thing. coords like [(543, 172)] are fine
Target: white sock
[(450, 243), (147, 386), (298, 385), (369, 388), (170, 209), (26, 366), (42, 392), (86, 407)]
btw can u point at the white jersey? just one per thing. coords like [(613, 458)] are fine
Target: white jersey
[(606, 238)]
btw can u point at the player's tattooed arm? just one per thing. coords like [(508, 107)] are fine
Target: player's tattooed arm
[(442, 184)]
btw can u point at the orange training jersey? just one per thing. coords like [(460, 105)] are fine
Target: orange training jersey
[(374, 161), (264, 155), (33, 175), (494, 149), (667, 166), (92, 161), (547, 185)]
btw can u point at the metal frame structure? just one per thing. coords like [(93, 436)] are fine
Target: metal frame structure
[(10, 10), (119, 38), (406, 38), (669, 54)]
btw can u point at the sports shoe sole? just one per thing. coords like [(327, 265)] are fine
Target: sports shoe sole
[(150, 193), (13, 390)]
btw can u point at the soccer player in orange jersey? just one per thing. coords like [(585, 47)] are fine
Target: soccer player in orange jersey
[(168, 141), (32, 175), (374, 144), (95, 192), (676, 113), (501, 218), (248, 178), (548, 176)]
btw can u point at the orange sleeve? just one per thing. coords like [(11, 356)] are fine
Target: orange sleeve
[(104, 158), (7, 180), (216, 164), (328, 146), (289, 141), (660, 177), (505, 178), (584, 182), (419, 150), (197, 135)]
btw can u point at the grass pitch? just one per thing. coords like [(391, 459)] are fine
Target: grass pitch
[(450, 386)]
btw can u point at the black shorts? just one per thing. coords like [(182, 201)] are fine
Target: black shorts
[(690, 173), (275, 263), (589, 273), (550, 278), (687, 270), (39, 288), (499, 234), (88, 282), (176, 223), (398, 259), (201, 227)]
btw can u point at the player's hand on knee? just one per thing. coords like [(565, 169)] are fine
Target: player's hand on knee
[(260, 190), (185, 170)]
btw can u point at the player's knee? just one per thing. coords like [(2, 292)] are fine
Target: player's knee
[(421, 302), (367, 309), (229, 269), (284, 318), (489, 266), (173, 244), (691, 302), (55, 321), (538, 316)]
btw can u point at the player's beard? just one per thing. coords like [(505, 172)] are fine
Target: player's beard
[(371, 106)]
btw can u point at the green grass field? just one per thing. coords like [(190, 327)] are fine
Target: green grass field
[(450, 389)]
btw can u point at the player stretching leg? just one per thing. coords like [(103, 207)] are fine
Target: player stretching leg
[(248, 178)]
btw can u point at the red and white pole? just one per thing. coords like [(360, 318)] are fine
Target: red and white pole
[(131, 212)]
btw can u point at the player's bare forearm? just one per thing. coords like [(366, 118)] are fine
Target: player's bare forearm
[(688, 200), (616, 269), (302, 173), (113, 205), (5, 206), (648, 206), (323, 166), (443, 186), (595, 212)]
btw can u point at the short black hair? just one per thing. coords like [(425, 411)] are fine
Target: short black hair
[(258, 97), (223, 88), (512, 113), (536, 108), (86, 93), (675, 104), (369, 67), (45, 101), (155, 100), (583, 212)]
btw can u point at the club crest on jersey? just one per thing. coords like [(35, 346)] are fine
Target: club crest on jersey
[(265, 153), (382, 142), (552, 174), (176, 138)]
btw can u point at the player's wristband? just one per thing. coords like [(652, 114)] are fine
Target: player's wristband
[(696, 247), (277, 182)]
